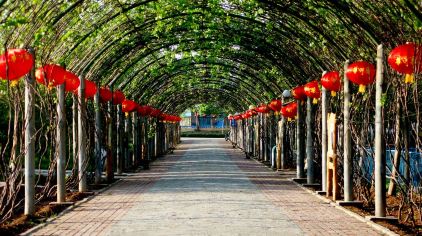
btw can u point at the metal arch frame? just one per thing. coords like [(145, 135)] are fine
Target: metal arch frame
[(197, 99), (251, 98), (157, 89), (222, 57), (139, 58), (238, 17), (161, 77), (263, 52)]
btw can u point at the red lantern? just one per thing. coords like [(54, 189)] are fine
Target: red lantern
[(118, 97), (312, 91), (155, 112), (275, 105), (105, 94), (263, 108), (361, 73), (331, 81), (50, 75), (230, 117), (71, 81), (237, 117), (144, 110), (298, 93), (18, 63), (164, 117), (128, 106), (251, 112), (90, 89), (406, 59), (289, 111)]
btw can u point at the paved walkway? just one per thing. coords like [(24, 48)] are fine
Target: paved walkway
[(205, 188)]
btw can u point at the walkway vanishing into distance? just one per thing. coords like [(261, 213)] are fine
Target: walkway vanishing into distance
[(206, 188)]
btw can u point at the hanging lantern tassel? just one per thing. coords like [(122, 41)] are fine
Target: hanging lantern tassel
[(289, 119), (126, 114), (409, 78), (315, 101), (276, 113), (362, 88), (50, 85), (333, 93), (13, 83)]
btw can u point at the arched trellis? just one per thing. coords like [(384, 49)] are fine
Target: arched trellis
[(288, 12)]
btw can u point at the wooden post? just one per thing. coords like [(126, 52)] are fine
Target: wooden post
[(119, 153), (300, 142), (82, 136), (332, 187), (309, 142), (61, 144), (110, 148), (347, 151), (29, 121), (379, 154), (324, 137), (98, 135)]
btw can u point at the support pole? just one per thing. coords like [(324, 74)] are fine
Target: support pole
[(98, 135), (29, 207), (119, 158), (135, 156), (61, 144), (300, 142), (110, 148), (266, 138), (156, 152), (324, 137), (309, 142), (380, 162), (347, 155), (82, 136), (281, 140), (127, 161), (261, 137), (75, 133)]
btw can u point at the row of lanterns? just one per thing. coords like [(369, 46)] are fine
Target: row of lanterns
[(18, 62), (405, 59)]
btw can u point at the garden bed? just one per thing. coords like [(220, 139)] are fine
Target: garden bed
[(20, 223)]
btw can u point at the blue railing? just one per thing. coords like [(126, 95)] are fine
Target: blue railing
[(415, 163), (206, 123)]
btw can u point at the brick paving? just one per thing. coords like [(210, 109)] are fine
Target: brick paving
[(205, 188)]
